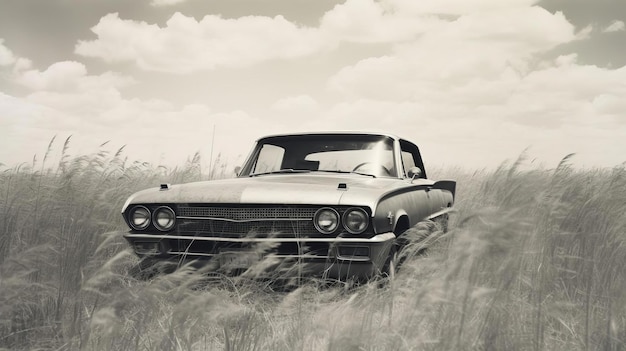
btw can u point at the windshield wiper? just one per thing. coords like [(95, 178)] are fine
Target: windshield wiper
[(345, 172), (286, 170)]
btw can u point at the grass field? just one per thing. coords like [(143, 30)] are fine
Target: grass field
[(534, 260)]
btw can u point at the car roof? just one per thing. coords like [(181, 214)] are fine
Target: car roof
[(392, 136)]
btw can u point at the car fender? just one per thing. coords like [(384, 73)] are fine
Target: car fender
[(412, 202)]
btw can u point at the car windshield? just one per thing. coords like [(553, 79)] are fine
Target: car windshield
[(370, 155)]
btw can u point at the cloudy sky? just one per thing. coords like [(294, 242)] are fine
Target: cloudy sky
[(473, 82)]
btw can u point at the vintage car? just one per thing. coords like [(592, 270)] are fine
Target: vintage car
[(333, 205)]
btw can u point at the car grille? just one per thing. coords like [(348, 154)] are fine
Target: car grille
[(247, 213), (255, 229), (236, 222)]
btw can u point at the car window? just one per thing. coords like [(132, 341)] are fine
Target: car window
[(270, 159), (410, 156), (360, 153), (407, 161), (365, 161)]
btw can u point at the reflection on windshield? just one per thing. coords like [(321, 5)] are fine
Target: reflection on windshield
[(364, 154)]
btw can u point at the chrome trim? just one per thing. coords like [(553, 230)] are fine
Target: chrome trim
[(126, 204), (375, 239), (315, 218), (155, 223), (245, 220), (442, 212), (130, 217), (307, 257), (264, 256), (186, 253), (345, 214), (354, 258)]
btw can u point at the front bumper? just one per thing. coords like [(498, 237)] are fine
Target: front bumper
[(335, 258)]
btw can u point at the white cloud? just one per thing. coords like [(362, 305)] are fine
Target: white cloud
[(478, 137), (294, 111), (298, 103), (456, 7), (616, 26), (154, 131), (185, 45), (69, 76), (478, 58), (550, 96), (466, 79), (610, 104), (159, 3), (474, 86), (366, 21), (65, 99), (6, 56), (66, 87)]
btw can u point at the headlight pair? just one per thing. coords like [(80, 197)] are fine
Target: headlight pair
[(354, 220), (163, 218)]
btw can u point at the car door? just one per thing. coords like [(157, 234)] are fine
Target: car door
[(414, 200)]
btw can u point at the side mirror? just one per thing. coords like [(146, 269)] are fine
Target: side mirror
[(237, 170), (414, 172)]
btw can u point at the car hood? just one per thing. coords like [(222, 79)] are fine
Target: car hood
[(313, 189)]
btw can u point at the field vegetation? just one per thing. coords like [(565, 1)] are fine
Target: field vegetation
[(534, 260)]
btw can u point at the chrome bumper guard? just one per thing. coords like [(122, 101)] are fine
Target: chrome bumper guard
[(376, 240)]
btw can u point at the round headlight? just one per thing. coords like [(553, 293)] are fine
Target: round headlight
[(139, 218), (164, 218), (326, 220), (355, 220)]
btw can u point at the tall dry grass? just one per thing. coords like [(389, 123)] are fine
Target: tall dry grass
[(534, 260)]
